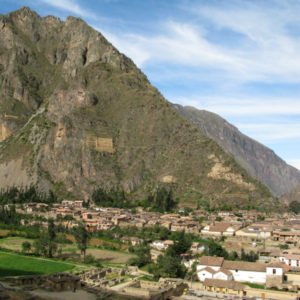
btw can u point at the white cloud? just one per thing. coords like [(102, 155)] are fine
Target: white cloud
[(268, 52), (229, 106), (72, 7), (178, 43)]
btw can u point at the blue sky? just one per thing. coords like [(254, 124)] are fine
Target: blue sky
[(237, 58)]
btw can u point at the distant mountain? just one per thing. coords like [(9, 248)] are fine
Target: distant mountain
[(76, 114), (257, 159), (293, 195)]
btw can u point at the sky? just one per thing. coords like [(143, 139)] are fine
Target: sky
[(237, 58)]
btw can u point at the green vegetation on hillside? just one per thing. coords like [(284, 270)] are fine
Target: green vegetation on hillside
[(160, 201), (19, 195)]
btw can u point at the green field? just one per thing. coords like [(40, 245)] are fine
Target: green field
[(15, 265), (14, 243)]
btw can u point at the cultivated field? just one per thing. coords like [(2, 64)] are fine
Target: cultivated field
[(14, 243), (12, 264), (110, 256), (4, 232)]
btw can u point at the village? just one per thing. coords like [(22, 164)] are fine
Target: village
[(272, 240)]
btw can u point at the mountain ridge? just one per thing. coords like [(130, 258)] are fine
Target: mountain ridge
[(75, 114), (260, 161)]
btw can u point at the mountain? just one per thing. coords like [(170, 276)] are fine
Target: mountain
[(293, 195), (260, 161), (76, 114)]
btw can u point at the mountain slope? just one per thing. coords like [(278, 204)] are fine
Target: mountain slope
[(76, 114), (293, 195), (257, 159)]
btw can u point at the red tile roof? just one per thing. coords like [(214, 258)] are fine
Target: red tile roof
[(211, 261)]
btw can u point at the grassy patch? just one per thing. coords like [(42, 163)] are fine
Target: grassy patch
[(146, 267), (254, 285), (15, 265), (147, 277)]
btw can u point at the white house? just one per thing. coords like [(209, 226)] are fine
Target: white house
[(218, 268), (204, 273), (275, 268), (162, 245), (223, 274), (255, 231), (292, 260), (218, 229), (246, 271), (208, 272)]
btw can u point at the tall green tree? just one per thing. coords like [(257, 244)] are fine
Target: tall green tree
[(168, 266), (82, 237), (51, 236), (294, 207), (181, 245)]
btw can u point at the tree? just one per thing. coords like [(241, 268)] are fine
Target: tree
[(251, 256), (41, 245), (51, 235), (168, 266), (294, 207), (181, 245), (233, 255), (163, 200), (82, 237), (46, 244), (214, 249), (26, 246), (143, 257), (192, 272)]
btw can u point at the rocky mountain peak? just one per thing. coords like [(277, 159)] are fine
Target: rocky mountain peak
[(76, 114)]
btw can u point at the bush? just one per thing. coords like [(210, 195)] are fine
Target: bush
[(26, 246), (284, 246), (89, 259)]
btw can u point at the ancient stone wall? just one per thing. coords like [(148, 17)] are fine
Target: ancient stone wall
[(100, 144), (274, 281)]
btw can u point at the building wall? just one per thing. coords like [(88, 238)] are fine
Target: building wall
[(278, 271), (274, 281), (249, 276), (137, 292), (222, 276), (204, 274), (292, 262), (246, 234), (293, 277), (271, 294)]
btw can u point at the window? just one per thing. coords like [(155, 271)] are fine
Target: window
[(274, 271), (236, 271)]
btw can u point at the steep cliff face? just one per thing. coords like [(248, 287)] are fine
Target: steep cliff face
[(257, 159), (76, 114)]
